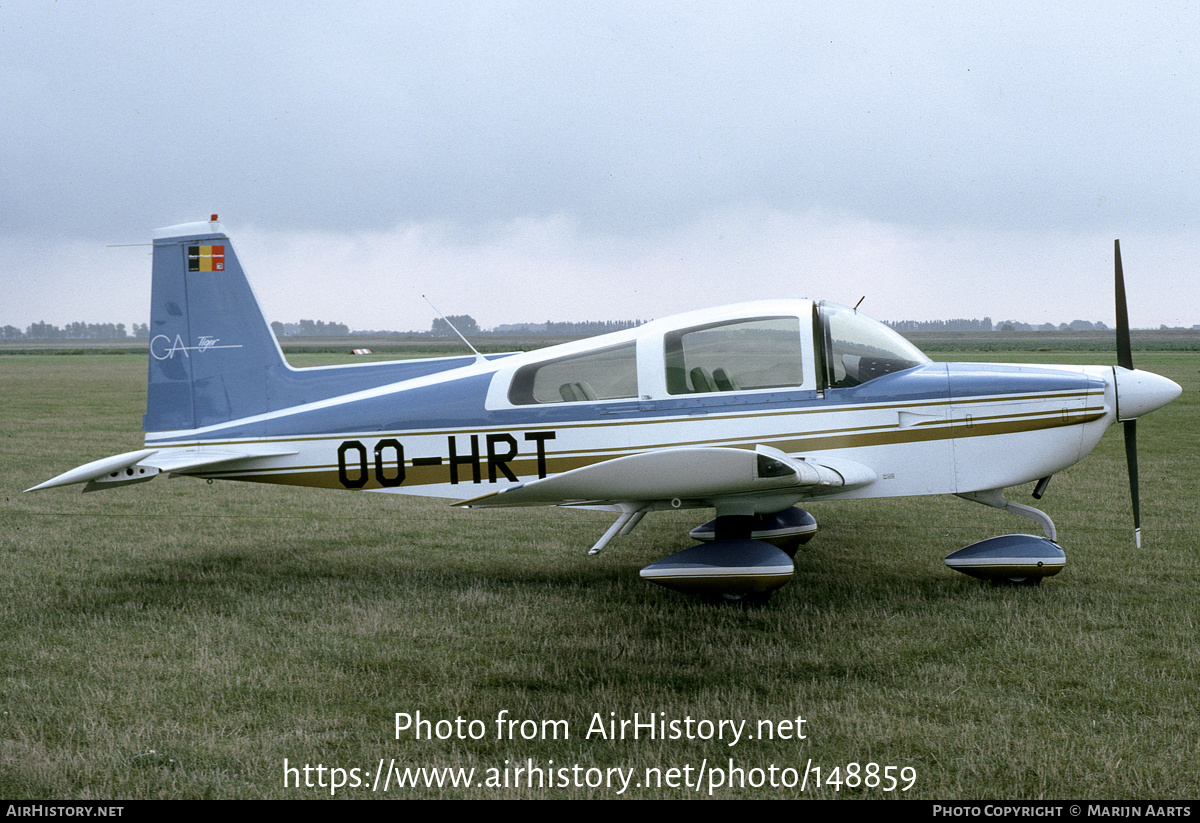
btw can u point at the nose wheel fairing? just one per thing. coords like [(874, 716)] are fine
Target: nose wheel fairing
[(1022, 559), (1011, 558)]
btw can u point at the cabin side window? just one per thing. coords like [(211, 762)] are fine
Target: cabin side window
[(763, 353), (609, 374)]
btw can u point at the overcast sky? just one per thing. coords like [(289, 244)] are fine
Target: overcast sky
[(577, 161)]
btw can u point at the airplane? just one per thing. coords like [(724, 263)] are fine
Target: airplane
[(748, 409)]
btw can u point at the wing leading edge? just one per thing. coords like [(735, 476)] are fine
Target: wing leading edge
[(704, 475)]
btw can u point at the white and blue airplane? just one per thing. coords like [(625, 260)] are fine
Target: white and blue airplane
[(748, 409)]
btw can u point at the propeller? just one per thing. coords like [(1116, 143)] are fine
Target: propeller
[(1125, 361)]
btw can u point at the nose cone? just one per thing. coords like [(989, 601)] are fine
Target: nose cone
[(1141, 392)]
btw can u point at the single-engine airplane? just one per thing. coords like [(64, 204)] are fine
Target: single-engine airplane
[(747, 409)]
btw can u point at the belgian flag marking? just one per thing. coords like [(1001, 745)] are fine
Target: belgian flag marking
[(206, 258)]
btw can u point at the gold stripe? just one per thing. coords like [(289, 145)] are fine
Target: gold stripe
[(525, 466)]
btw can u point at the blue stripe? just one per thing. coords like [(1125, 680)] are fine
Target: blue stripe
[(459, 403)]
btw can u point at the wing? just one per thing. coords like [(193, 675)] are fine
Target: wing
[(700, 476), (139, 466)]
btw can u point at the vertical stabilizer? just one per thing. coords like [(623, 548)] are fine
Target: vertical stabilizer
[(211, 350)]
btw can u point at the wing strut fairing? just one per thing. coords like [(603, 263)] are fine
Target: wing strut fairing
[(623, 525)]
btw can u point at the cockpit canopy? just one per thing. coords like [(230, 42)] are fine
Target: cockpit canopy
[(769, 346)]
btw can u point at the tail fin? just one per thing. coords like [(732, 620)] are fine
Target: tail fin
[(211, 350), (214, 359)]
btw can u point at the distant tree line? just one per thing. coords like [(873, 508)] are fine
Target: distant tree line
[(74, 331), (583, 327), (466, 324), (986, 324), (444, 327), (958, 324), (1074, 325), (310, 328)]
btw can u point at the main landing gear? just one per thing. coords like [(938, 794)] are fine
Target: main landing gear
[(743, 560)]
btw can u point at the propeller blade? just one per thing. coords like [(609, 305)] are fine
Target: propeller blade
[(1124, 350), (1131, 459), (1125, 360)]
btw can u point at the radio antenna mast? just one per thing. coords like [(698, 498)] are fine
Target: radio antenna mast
[(478, 356)]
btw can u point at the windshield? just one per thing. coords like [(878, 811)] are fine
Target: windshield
[(859, 348)]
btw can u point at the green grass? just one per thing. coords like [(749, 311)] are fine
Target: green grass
[(181, 639)]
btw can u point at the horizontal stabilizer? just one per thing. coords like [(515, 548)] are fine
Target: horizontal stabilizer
[(139, 466), (191, 459), (95, 469)]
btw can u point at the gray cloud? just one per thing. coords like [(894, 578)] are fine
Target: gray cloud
[(636, 125)]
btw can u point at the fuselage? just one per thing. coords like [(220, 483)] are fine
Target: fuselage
[(811, 380), (748, 409)]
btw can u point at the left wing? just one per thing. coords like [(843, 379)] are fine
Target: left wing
[(697, 475)]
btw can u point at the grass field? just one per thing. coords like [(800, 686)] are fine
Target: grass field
[(183, 639)]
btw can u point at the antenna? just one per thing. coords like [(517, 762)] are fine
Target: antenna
[(451, 325), (859, 303)]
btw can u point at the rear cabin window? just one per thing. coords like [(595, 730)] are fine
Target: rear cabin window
[(763, 353), (610, 374)]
